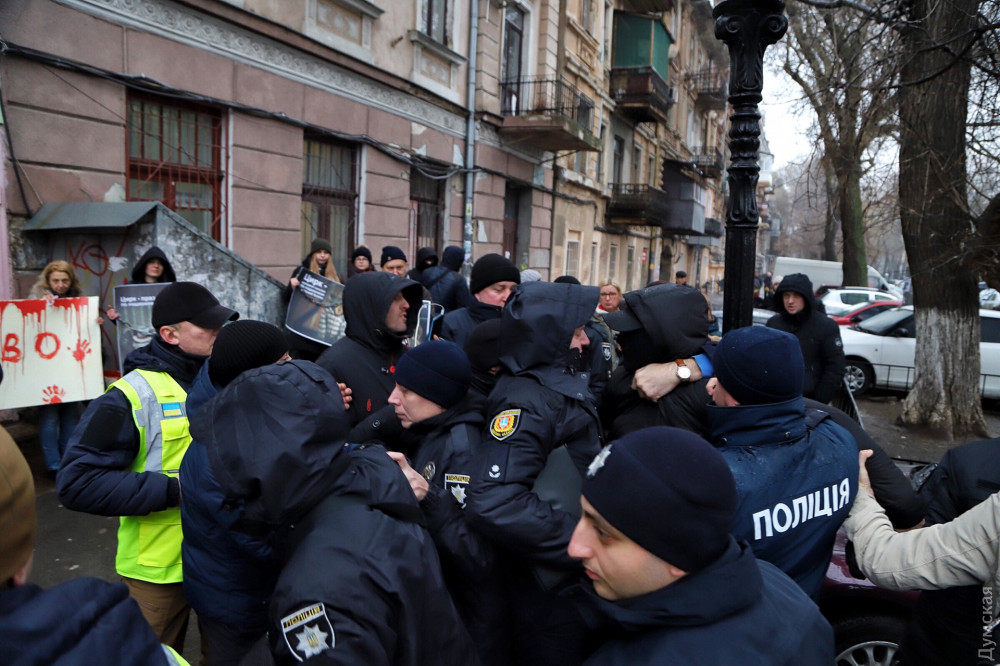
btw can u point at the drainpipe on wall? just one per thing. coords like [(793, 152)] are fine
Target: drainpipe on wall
[(470, 137)]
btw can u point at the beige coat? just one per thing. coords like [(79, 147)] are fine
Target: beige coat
[(965, 551)]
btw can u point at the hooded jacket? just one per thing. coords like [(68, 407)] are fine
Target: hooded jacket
[(446, 285), (139, 272), (541, 402), (94, 476), (426, 258), (674, 325), (796, 478), (80, 622), (738, 610), (365, 358), (360, 581), (819, 338)]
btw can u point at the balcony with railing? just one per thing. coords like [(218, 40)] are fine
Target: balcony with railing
[(637, 203), (712, 86), (708, 160), (714, 228), (548, 114), (641, 94), (687, 201)]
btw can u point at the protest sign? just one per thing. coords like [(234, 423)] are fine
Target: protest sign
[(316, 309), (51, 353), (134, 303)]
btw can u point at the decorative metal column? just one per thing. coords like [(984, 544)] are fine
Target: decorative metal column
[(747, 27)]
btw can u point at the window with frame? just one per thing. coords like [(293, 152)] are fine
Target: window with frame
[(613, 262), (573, 255), (436, 20), (175, 157), (630, 268), (427, 197), (329, 196)]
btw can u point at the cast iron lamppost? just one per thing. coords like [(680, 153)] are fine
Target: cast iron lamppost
[(747, 27)]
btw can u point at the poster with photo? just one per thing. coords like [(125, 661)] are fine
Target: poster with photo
[(316, 309), (134, 303), (51, 352)]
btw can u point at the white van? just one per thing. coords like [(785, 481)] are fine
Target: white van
[(829, 273)]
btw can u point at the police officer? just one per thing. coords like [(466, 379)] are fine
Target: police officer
[(124, 455), (542, 433)]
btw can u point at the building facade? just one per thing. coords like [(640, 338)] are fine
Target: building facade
[(581, 137)]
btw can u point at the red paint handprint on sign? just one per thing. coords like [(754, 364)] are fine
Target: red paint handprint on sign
[(82, 349), (53, 394)]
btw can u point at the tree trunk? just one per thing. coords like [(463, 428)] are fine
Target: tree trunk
[(853, 227), (832, 223), (936, 220)]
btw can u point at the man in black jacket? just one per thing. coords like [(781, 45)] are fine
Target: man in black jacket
[(802, 315), (446, 285), (360, 579), (543, 432), (493, 277), (381, 313)]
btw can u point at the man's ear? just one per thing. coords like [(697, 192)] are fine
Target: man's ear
[(169, 334), (20, 577)]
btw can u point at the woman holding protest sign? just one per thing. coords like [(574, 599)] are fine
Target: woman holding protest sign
[(319, 261), (57, 419)]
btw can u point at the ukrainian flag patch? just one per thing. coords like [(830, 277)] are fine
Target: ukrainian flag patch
[(172, 410)]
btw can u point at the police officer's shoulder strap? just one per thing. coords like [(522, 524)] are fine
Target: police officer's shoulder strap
[(814, 417)]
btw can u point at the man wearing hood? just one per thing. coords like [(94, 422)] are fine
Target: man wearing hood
[(446, 285), (543, 431), (360, 581), (801, 314), (672, 586), (381, 314), (124, 456), (427, 257), (665, 323), (492, 279)]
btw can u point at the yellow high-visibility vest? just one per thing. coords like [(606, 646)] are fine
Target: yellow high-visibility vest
[(149, 547)]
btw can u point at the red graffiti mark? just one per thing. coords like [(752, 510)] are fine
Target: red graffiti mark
[(11, 348), (89, 257), (82, 349), (53, 394), (31, 307), (40, 342)]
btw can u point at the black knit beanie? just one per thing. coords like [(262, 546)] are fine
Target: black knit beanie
[(243, 345), (390, 253), (320, 244), (759, 365), (492, 268), (679, 473), (361, 251), (483, 345), (436, 370), (566, 279)]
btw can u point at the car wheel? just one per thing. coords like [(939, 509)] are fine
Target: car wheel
[(867, 641), (859, 375)]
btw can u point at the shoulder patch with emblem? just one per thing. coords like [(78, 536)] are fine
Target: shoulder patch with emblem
[(606, 350), (429, 470), (504, 424), (457, 484), (308, 632)]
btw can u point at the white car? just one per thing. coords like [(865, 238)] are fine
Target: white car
[(839, 301), (989, 298), (880, 352)]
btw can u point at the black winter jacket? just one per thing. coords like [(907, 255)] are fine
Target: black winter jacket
[(365, 358), (458, 324), (360, 579), (94, 476), (539, 404), (446, 285), (674, 325), (819, 338), (738, 610), (139, 272)]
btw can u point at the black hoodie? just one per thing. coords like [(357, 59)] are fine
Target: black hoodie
[(365, 358), (674, 322), (360, 580), (139, 272), (819, 338)]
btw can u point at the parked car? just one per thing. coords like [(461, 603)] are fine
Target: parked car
[(880, 352), (863, 311), (989, 298), (839, 301)]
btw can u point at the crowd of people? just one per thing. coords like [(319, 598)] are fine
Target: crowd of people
[(564, 475)]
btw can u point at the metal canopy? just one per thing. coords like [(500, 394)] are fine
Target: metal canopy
[(89, 215)]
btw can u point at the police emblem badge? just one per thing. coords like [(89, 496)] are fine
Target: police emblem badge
[(308, 632), (504, 424), (429, 470), (606, 350), (457, 484)]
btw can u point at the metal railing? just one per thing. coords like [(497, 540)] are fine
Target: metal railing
[(554, 97)]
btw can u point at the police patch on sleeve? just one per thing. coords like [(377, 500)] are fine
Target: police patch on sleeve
[(504, 424), (606, 350), (457, 484), (308, 632)]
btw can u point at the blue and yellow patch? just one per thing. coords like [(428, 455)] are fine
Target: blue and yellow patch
[(505, 423), (172, 410)]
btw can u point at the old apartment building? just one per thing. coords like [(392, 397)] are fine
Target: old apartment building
[(581, 137)]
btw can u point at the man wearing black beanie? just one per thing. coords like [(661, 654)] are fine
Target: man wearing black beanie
[(672, 586), (796, 471), (493, 277)]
